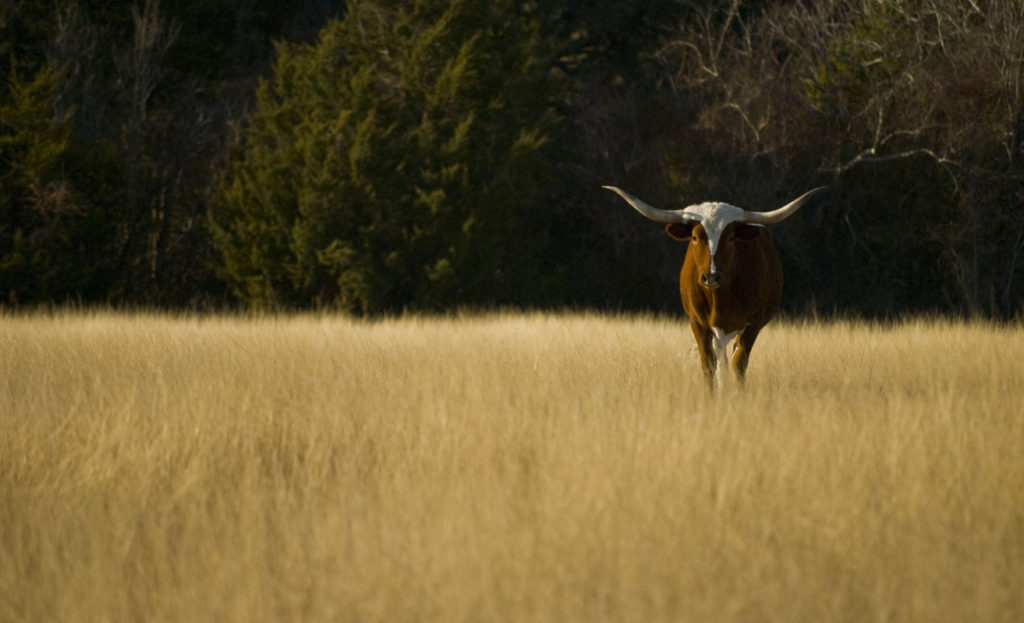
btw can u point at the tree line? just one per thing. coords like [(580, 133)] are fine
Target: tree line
[(376, 156)]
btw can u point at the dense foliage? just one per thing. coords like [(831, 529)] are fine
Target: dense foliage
[(376, 156), (394, 163)]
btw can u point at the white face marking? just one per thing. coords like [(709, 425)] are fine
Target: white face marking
[(715, 217)]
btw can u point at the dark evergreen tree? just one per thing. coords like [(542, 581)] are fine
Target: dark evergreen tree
[(37, 213), (111, 116), (399, 162)]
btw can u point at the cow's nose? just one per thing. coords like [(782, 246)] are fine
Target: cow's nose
[(710, 280)]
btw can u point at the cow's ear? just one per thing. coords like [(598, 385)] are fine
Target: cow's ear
[(747, 232), (679, 231)]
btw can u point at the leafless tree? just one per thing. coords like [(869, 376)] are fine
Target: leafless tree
[(856, 89)]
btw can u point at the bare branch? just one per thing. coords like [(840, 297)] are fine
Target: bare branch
[(871, 155)]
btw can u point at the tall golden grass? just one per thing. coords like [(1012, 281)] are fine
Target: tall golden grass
[(506, 468)]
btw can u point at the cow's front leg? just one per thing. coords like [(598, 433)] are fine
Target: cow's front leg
[(721, 341), (744, 345), (706, 350)]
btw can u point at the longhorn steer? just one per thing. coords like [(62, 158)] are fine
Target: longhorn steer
[(731, 280)]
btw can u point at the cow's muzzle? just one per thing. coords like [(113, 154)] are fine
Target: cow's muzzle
[(711, 280)]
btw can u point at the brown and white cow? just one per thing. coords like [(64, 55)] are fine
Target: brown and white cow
[(731, 280)]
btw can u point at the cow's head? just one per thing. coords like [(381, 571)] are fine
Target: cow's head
[(713, 256), (714, 230)]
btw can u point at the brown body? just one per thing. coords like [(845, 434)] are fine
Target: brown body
[(731, 281), (748, 292)]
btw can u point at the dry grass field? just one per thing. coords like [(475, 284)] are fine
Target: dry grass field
[(506, 468)]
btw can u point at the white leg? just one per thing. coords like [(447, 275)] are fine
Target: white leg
[(719, 343)]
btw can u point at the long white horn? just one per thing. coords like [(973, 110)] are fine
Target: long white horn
[(767, 218), (662, 216)]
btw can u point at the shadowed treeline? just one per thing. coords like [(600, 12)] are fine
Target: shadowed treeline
[(376, 156)]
